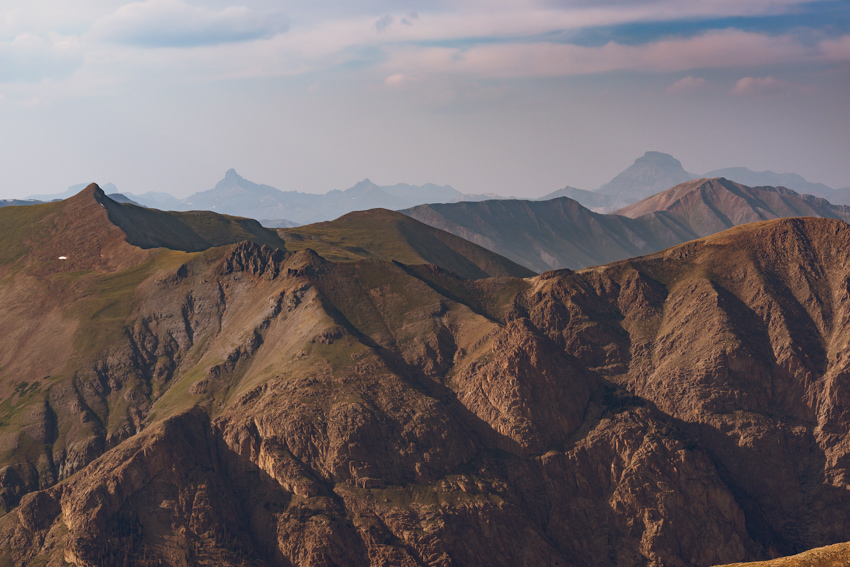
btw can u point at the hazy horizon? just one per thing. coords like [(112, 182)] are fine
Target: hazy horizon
[(515, 97)]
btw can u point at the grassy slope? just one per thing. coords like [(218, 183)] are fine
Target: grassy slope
[(388, 235), (65, 314)]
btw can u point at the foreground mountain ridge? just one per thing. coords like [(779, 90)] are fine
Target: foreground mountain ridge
[(245, 405)]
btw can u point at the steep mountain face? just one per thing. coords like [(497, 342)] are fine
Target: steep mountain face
[(649, 174), (392, 236), (244, 405), (237, 196), (562, 234)]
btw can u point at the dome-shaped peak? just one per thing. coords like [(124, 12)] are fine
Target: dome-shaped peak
[(660, 158)]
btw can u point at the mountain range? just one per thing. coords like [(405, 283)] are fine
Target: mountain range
[(185, 389), (560, 233), (656, 171), (235, 195), (649, 174)]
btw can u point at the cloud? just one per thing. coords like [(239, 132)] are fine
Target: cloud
[(837, 49), (688, 85), (174, 23), (715, 49), (384, 23), (395, 80), (31, 58), (759, 85)]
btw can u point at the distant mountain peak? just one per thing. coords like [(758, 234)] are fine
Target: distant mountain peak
[(660, 159), (231, 175), (366, 183), (649, 174)]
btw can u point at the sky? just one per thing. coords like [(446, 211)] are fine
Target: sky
[(514, 97)]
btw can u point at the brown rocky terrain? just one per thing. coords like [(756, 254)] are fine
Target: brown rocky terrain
[(246, 405), (837, 555)]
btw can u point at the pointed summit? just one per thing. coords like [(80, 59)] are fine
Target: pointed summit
[(92, 192)]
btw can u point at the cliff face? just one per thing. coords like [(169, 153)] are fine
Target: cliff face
[(256, 407)]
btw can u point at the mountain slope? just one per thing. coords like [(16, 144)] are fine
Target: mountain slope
[(593, 200), (793, 181), (829, 556), (707, 206), (685, 408), (562, 234), (393, 236), (545, 235)]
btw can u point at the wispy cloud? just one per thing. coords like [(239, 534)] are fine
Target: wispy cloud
[(717, 49), (174, 23), (688, 85), (759, 85)]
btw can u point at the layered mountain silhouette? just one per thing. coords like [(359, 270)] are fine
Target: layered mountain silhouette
[(593, 200), (790, 180), (561, 233), (236, 195), (650, 174), (241, 403), (656, 171)]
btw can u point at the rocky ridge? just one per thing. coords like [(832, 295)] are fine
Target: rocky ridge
[(248, 406)]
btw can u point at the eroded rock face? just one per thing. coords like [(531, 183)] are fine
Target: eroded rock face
[(686, 408)]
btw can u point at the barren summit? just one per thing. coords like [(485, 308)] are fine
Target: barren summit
[(242, 404)]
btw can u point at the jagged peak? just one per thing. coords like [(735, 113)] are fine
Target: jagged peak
[(231, 175)]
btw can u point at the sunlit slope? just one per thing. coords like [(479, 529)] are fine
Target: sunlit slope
[(837, 555), (707, 206), (70, 281), (684, 408)]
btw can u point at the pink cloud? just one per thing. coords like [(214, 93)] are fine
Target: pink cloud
[(718, 49), (688, 85), (759, 85)]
